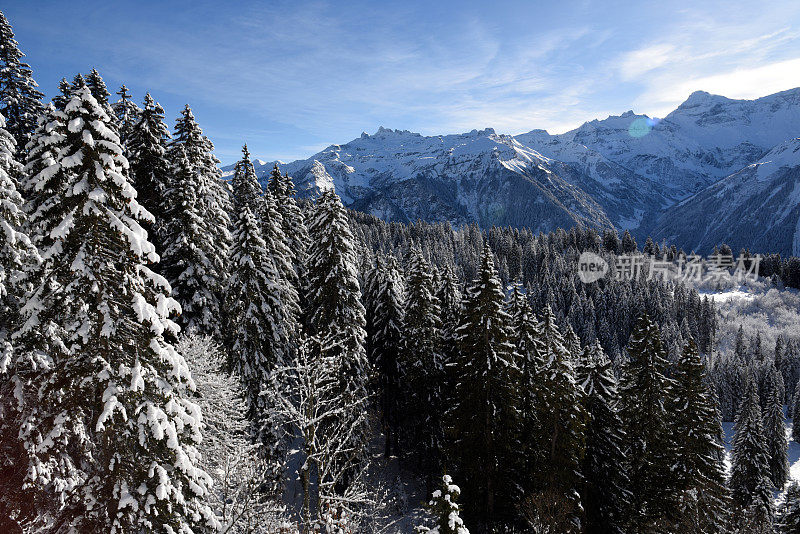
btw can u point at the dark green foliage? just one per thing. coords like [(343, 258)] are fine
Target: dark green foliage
[(700, 476), (749, 481), (483, 421), (604, 493), (650, 450), (20, 100)]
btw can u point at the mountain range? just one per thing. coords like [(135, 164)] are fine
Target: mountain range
[(714, 170)]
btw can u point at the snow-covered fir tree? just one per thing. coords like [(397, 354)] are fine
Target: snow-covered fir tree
[(262, 328), (97, 86), (777, 446), (247, 192), (45, 179), (604, 494), (18, 257), (559, 436), (482, 418), (127, 114), (422, 367), (788, 518), (445, 508), (386, 345), (751, 487), (198, 275), (109, 431), (283, 192), (699, 471), (149, 168), (334, 293), (20, 100), (649, 448)]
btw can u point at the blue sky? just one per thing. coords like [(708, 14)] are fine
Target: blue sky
[(290, 78)]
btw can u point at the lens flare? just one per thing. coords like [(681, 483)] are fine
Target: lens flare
[(642, 126)]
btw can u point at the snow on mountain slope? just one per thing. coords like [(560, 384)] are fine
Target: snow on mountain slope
[(705, 139), (473, 177), (632, 171), (757, 207), (625, 195)]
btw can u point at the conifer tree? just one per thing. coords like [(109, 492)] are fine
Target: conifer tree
[(150, 169), (700, 475), (444, 507), (604, 494), (127, 114), (185, 263), (449, 296), (789, 512), (283, 191), (749, 480), (482, 420), (422, 366), (100, 92), (109, 431), (247, 192), (261, 329), (45, 179), (18, 257), (386, 345), (197, 278), (337, 317), (775, 435), (560, 439), (649, 448), (64, 90), (20, 99)]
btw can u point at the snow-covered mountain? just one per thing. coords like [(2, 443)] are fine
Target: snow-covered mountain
[(473, 177), (630, 171), (757, 208)]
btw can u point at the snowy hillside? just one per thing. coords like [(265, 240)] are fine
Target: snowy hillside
[(757, 207)]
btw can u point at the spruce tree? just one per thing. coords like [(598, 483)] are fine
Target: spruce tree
[(184, 261), (422, 367), (386, 346), (127, 114), (775, 435), (18, 257), (482, 418), (109, 431), (20, 99), (149, 167), (64, 90), (446, 510), (337, 317), (199, 276), (604, 494), (45, 179), (702, 493), (247, 192), (100, 92), (788, 521), (650, 450), (560, 440), (749, 480), (261, 329), (283, 191)]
